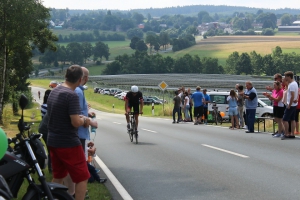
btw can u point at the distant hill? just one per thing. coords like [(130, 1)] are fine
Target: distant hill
[(195, 9)]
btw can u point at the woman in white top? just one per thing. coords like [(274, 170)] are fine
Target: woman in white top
[(186, 107)]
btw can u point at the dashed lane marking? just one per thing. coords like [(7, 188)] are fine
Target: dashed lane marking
[(117, 123), (225, 151), (149, 130)]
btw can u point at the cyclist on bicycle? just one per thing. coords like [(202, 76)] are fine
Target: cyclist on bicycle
[(134, 99)]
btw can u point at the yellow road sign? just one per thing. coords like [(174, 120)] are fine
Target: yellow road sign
[(163, 85)]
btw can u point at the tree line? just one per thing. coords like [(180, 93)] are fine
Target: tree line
[(74, 53), (91, 37), (237, 63)]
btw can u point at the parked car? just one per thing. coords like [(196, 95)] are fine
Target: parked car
[(267, 101), (158, 99), (114, 90), (105, 91), (149, 101), (96, 89), (53, 84), (262, 110)]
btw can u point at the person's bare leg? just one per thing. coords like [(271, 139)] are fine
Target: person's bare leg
[(137, 121), (69, 184), (293, 125), (286, 127), (80, 190), (59, 181), (232, 121), (236, 121)]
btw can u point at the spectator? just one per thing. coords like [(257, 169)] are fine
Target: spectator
[(297, 112), (94, 175), (197, 98), (278, 106), (250, 97), (277, 77), (43, 129), (44, 105), (176, 108), (206, 101), (186, 107), (83, 132), (191, 105), (292, 102), (232, 111), (241, 104), (65, 147)]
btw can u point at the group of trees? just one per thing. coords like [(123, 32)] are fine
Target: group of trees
[(75, 53), (23, 27), (143, 63), (269, 64), (90, 37), (244, 63)]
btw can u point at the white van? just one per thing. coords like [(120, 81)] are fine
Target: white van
[(262, 110)]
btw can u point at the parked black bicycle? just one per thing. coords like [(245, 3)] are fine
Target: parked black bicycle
[(26, 155), (133, 129), (216, 115)]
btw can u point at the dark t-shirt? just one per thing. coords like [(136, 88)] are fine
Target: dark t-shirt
[(134, 99), (177, 101), (62, 103)]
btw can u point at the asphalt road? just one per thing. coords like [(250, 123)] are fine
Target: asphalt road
[(184, 161)]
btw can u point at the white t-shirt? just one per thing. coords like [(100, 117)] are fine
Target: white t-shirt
[(293, 87), (188, 100)]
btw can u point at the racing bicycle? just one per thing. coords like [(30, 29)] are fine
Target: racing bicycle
[(133, 129), (216, 116)]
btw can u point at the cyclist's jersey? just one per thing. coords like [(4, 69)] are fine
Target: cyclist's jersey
[(134, 100)]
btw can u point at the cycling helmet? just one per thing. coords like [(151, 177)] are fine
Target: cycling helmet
[(134, 88)]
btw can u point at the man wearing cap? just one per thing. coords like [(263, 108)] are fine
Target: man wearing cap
[(197, 98)]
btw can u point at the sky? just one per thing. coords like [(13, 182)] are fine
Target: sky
[(134, 4)]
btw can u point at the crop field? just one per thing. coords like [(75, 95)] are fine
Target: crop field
[(222, 46)]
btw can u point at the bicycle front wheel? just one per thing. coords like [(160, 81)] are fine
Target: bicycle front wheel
[(130, 135)]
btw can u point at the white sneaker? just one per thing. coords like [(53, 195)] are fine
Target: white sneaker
[(245, 127)]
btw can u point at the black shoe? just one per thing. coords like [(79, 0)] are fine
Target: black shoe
[(249, 131), (102, 180), (173, 122), (177, 122)]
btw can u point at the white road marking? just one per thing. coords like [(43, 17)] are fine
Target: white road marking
[(226, 151), (149, 130), (117, 123), (124, 194)]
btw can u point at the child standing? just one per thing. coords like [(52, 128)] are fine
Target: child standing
[(232, 101)]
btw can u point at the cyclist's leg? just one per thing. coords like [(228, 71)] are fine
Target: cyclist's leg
[(127, 118), (136, 111)]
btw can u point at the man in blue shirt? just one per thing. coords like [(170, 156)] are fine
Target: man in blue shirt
[(250, 97), (205, 105), (83, 132), (197, 98)]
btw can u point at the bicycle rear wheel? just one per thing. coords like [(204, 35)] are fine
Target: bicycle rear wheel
[(216, 119), (219, 119)]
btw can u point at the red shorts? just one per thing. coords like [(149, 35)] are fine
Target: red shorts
[(69, 160)]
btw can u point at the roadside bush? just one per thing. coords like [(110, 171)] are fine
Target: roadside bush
[(268, 31), (7, 115)]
